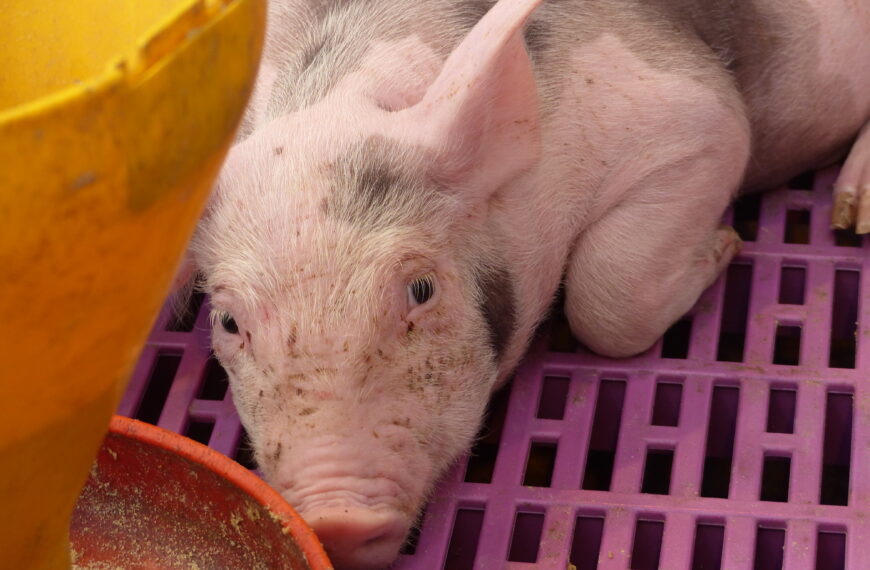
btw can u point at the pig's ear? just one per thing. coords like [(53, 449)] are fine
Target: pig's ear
[(481, 112)]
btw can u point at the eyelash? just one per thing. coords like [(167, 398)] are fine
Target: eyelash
[(226, 320), (421, 287)]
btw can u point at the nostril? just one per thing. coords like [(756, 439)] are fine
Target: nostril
[(358, 537)]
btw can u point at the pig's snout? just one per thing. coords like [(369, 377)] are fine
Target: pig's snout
[(358, 537)]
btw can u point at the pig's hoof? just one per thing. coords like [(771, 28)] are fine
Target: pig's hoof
[(727, 245), (852, 189), (851, 208), (845, 207)]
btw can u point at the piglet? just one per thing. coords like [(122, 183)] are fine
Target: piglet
[(414, 181)]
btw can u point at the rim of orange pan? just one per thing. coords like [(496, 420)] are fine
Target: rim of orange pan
[(221, 465)]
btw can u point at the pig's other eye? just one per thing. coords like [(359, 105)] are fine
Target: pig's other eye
[(229, 323), (421, 289)]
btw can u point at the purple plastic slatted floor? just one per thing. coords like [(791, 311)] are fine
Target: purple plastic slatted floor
[(739, 441)]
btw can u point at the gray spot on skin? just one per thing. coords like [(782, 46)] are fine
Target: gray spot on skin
[(335, 36), (538, 36), (498, 307), (374, 182), (311, 52), (365, 185), (380, 183)]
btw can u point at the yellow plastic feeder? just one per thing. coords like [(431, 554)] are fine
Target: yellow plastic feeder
[(115, 116)]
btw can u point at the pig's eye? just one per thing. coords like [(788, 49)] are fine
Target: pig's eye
[(229, 323), (421, 289)]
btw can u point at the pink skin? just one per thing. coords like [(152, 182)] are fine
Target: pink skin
[(375, 393), (611, 172)]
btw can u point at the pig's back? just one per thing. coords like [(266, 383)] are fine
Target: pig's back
[(801, 67)]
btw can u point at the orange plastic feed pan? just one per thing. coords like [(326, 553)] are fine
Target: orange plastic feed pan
[(115, 116), (156, 499)]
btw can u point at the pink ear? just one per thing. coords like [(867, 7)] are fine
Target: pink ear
[(481, 112)]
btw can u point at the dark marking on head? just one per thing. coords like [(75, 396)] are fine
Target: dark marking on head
[(378, 183), (374, 182), (241, 345), (538, 36), (310, 53), (410, 327), (307, 411), (291, 336), (248, 335), (261, 393), (277, 454), (279, 150), (498, 307)]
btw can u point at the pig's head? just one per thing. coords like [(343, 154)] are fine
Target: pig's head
[(360, 307)]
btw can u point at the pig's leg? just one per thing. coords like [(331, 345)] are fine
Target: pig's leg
[(640, 268), (852, 189)]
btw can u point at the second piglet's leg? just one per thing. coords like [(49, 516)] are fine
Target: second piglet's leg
[(644, 264), (852, 189)]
